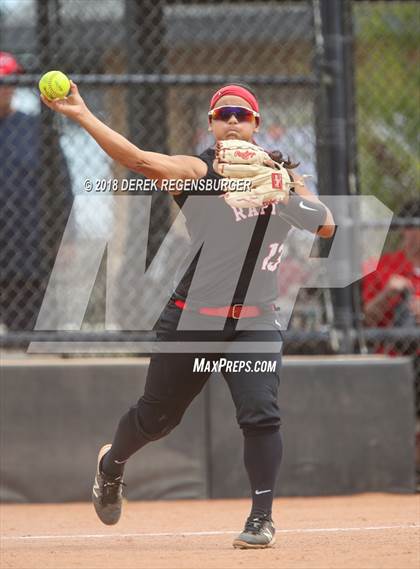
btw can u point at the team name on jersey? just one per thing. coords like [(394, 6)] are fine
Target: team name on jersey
[(240, 213)]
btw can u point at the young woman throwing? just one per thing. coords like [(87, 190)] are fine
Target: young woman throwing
[(171, 382)]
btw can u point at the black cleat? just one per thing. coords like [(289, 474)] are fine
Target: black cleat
[(107, 493), (259, 532)]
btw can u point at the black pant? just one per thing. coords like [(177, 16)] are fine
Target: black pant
[(172, 383)]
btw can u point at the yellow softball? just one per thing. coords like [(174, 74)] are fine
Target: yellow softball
[(54, 85)]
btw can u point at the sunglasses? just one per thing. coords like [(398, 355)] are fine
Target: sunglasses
[(242, 114)]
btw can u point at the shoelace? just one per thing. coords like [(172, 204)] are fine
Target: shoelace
[(110, 487), (254, 525)]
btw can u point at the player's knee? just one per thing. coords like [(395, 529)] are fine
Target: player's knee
[(154, 421), (259, 414)]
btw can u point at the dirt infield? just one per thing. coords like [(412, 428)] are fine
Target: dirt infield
[(364, 531)]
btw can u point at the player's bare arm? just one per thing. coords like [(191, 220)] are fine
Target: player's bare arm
[(152, 164)]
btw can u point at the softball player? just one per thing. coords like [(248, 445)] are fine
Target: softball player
[(171, 382)]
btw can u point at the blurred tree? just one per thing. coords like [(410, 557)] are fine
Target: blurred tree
[(387, 74)]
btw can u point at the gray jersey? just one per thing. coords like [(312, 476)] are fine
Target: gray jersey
[(220, 248)]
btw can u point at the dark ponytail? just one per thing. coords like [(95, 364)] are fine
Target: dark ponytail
[(277, 156)]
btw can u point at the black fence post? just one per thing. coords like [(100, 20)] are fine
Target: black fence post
[(53, 214), (147, 103), (334, 152)]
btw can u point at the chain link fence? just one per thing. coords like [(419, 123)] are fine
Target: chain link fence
[(148, 69), (387, 111)]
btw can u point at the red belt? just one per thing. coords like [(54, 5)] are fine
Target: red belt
[(235, 311)]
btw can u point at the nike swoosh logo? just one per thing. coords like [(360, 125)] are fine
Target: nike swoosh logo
[(258, 492), (303, 206), (277, 322)]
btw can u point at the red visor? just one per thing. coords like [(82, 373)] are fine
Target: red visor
[(239, 92)]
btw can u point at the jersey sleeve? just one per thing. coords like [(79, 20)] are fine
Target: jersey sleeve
[(207, 157)]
